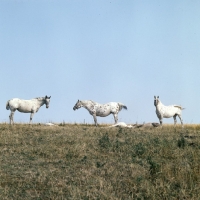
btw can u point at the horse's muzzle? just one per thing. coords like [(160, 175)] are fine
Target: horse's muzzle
[(47, 106)]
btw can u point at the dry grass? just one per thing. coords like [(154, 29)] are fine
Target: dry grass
[(84, 162)]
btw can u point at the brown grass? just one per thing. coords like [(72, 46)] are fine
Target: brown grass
[(84, 162)]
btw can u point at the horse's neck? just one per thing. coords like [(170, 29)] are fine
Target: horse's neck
[(84, 103), (87, 104), (160, 105), (40, 102)]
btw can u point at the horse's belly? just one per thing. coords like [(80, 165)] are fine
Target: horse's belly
[(165, 112), (24, 110), (169, 113), (102, 113)]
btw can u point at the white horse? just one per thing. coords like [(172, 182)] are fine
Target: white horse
[(101, 110), (26, 106), (122, 125), (163, 111)]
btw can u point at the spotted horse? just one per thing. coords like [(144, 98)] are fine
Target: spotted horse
[(101, 110)]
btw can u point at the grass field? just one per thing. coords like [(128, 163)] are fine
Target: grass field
[(84, 162)]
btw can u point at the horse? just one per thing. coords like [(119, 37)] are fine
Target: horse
[(101, 110), (163, 111), (26, 106), (122, 125)]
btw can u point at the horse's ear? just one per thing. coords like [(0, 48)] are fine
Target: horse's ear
[(154, 97), (46, 97), (49, 97), (158, 97)]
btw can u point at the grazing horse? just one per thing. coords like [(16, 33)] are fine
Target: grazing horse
[(102, 110), (26, 106), (163, 111)]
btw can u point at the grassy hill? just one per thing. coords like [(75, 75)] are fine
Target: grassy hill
[(84, 162)]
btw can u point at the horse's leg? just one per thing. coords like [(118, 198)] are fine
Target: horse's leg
[(115, 118), (175, 121), (95, 119), (11, 117), (181, 120), (31, 117), (160, 119)]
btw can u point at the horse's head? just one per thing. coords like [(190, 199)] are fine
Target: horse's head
[(156, 100), (47, 101), (77, 105)]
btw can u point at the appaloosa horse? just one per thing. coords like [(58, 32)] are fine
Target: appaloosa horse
[(101, 110)]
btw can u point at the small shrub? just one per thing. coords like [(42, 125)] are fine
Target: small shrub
[(104, 142), (156, 141), (181, 142), (84, 159), (139, 149), (69, 156), (98, 164), (116, 146), (154, 167), (120, 130), (138, 154), (139, 179)]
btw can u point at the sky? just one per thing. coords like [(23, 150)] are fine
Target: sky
[(105, 51)]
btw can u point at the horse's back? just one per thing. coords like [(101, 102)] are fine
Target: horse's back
[(176, 108), (117, 106), (14, 101), (121, 105), (21, 105), (171, 111)]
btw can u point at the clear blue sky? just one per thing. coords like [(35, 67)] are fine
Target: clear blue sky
[(122, 51)]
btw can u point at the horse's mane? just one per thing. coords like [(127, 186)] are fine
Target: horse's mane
[(93, 102), (39, 98)]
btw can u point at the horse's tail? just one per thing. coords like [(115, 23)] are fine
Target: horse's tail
[(7, 105), (181, 108), (122, 106)]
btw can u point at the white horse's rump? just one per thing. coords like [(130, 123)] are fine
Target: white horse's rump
[(163, 111), (26, 106), (101, 110)]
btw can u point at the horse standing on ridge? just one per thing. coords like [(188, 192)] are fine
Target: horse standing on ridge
[(101, 110), (26, 106), (163, 111)]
